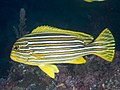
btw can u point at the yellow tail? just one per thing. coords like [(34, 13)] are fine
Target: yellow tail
[(106, 45)]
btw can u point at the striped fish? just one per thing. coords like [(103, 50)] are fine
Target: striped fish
[(46, 46), (94, 0)]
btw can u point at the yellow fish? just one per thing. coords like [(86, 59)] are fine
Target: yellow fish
[(46, 46), (94, 0)]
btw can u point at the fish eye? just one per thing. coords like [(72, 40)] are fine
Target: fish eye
[(16, 47)]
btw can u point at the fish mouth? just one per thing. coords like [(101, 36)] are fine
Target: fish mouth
[(15, 57), (12, 56)]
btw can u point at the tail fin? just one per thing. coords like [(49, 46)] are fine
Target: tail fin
[(106, 40)]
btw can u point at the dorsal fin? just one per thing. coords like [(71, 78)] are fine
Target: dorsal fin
[(41, 29), (48, 29)]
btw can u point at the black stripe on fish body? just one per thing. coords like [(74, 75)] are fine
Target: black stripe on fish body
[(38, 43), (53, 61), (55, 44), (52, 47), (21, 43), (55, 47), (48, 36), (82, 35), (53, 34), (42, 35), (48, 60), (65, 42), (64, 56)]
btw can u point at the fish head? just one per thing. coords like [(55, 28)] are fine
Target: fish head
[(20, 52)]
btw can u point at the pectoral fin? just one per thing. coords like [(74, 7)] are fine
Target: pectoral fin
[(80, 60), (50, 70)]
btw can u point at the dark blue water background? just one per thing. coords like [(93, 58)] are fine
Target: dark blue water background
[(76, 15)]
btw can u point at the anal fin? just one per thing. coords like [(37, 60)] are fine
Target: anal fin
[(79, 60), (50, 70)]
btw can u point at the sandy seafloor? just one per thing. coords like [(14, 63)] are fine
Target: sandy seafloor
[(75, 15)]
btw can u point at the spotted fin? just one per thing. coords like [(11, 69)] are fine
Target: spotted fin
[(80, 60), (48, 29), (50, 70)]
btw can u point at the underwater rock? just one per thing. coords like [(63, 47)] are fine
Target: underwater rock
[(96, 74)]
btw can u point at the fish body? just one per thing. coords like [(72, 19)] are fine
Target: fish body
[(46, 46), (94, 0)]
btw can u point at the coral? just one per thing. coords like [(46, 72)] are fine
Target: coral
[(21, 29)]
